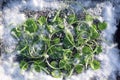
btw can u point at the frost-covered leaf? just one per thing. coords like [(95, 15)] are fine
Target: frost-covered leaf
[(95, 64), (78, 68), (16, 32), (42, 20), (71, 19), (56, 73), (88, 17), (69, 36), (24, 65), (86, 50), (99, 49), (102, 25), (30, 25), (54, 63)]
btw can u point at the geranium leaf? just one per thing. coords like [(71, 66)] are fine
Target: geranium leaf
[(42, 20), (56, 73), (102, 25), (95, 64), (78, 68), (30, 25)]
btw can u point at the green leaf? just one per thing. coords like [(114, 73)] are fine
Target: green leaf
[(24, 48), (56, 73), (94, 33), (37, 68), (86, 50), (94, 26), (78, 68), (67, 54), (56, 16), (24, 65), (31, 26), (59, 20), (56, 40), (61, 26), (54, 63), (83, 27), (38, 65), (88, 17), (16, 32), (99, 49), (69, 36), (102, 26), (62, 63), (85, 35), (95, 65), (50, 28), (42, 20), (67, 67), (77, 55), (71, 19), (80, 41), (36, 39), (65, 64), (57, 52)]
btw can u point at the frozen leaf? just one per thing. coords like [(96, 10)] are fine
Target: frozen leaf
[(42, 20), (95, 64), (102, 26)]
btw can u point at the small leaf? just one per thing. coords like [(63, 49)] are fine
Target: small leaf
[(62, 63), (56, 40), (67, 67), (56, 73), (99, 49), (88, 17), (102, 26), (85, 35), (36, 38), (70, 37), (80, 41), (67, 51), (24, 48), (71, 19), (61, 26), (56, 16), (16, 32), (54, 63), (95, 65), (37, 68), (38, 65), (31, 26), (77, 55), (86, 50), (94, 33), (23, 65), (42, 20), (78, 68), (59, 20), (83, 27), (50, 28), (94, 26)]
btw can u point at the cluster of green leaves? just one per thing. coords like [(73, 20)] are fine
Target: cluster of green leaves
[(59, 45)]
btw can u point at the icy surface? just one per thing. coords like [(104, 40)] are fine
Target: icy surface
[(12, 16)]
